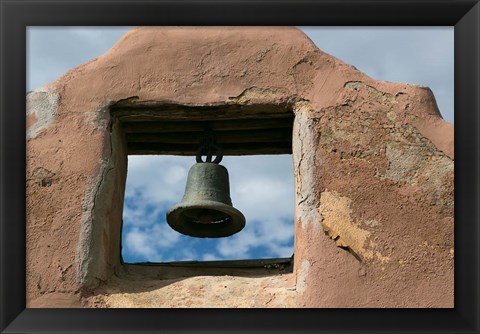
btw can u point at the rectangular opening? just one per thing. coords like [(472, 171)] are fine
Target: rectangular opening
[(261, 187), (162, 143)]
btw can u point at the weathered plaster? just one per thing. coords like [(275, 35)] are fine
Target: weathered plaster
[(204, 291), (99, 243), (306, 194), (41, 109), (373, 170)]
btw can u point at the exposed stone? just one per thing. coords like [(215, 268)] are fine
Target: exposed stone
[(41, 109)]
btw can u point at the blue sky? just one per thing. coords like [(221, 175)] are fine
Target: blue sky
[(261, 186)]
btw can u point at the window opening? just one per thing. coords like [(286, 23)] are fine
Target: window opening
[(261, 186), (162, 141)]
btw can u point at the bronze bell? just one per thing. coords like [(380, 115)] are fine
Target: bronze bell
[(206, 209)]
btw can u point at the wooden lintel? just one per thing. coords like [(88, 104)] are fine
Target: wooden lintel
[(173, 129), (200, 126), (228, 149), (198, 115), (230, 137), (279, 263)]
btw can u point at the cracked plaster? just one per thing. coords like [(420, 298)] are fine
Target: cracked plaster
[(373, 164)]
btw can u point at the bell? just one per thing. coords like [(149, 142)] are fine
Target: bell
[(206, 209)]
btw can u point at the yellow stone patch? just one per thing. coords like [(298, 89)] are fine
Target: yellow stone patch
[(339, 226)]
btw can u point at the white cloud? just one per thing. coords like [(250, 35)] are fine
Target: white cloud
[(156, 178), (239, 245), (416, 55), (175, 174), (210, 257), (138, 243), (141, 215), (52, 51), (151, 243), (281, 251), (261, 187), (264, 199), (273, 235)]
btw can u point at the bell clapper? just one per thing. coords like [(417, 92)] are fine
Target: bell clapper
[(204, 217)]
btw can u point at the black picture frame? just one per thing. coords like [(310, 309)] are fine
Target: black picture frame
[(16, 15)]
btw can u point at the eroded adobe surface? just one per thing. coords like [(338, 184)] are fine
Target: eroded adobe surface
[(373, 164)]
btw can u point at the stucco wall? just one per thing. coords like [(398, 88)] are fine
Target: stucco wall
[(373, 165)]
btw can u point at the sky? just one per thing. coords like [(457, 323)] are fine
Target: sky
[(261, 186)]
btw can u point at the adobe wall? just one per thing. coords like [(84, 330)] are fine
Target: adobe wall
[(373, 165)]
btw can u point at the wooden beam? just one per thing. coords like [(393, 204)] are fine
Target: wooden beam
[(172, 110), (195, 116), (172, 129), (215, 125), (228, 149), (279, 263), (221, 138), (199, 113)]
